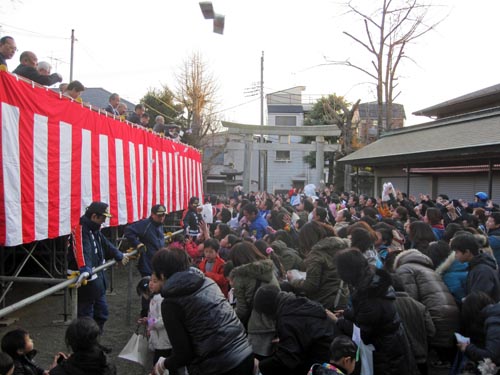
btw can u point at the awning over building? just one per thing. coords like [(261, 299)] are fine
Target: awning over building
[(474, 137)]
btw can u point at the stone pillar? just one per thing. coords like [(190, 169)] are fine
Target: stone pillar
[(320, 159), (247, 168)]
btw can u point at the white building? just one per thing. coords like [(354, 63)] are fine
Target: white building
[(281, 162)]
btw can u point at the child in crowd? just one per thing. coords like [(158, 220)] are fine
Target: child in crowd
[(88, 356), (159, 343), (343, 358), (212, 264), (6, 364), (19, 346), (142, 290)]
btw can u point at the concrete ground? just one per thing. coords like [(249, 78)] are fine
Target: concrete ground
[(40, 320)]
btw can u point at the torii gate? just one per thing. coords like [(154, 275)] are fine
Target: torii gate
[(318, 131)]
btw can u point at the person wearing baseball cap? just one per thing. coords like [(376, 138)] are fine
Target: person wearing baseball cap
[(148, 237), (90, 250)]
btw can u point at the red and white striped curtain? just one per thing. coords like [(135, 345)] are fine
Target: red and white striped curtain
[(58, 156)]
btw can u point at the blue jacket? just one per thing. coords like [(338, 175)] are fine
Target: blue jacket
[(454, 275), (258, 227), (494, 240), (149, 233), (90, 248)]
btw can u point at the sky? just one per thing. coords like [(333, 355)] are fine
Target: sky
[(129, 47)]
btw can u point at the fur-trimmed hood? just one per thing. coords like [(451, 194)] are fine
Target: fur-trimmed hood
[(260, 270), (413, 256), (446, 264)]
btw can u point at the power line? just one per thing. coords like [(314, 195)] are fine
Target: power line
[(237, 105), (34, 33)]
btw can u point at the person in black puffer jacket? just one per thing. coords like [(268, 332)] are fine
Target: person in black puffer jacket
[(374, 312), (206, 335), (481, 316), (304, 330), (88, 356)]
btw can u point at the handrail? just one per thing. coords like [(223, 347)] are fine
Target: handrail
[(64, 284)]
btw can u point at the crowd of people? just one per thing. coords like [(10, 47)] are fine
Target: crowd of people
[(41, 73), (313, 282)]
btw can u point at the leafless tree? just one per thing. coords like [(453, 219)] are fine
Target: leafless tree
[(196, 90), (387, 33)]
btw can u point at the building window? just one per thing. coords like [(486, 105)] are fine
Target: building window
[(286, 121), (282, 155), (217, 160)]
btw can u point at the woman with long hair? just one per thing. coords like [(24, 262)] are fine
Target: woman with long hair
[(252, 270), (420, 236)]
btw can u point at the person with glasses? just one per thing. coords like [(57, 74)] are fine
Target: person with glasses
[(7, 50), (90, 249), (148, 237)]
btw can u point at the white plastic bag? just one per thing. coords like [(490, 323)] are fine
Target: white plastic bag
[(365, 351), (136, 349)]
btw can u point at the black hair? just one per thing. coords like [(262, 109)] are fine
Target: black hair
[(463, 242), (496, 217), (224, 230), (225, 215), (361, 239), (245, 252), (369, 220), (4, 39), (342, 346), (472, 315), (434, 215), (13, 341), (143, 286), (166, 262), (250, 208), (321, 213), (403, 213), (370, 212), (308, 205), (386, 231), (450, 231), (310, 234), (82, 334), (6, 363), (233, 239), (75, 85), (438, 252), (266, 299), (352, 266), (213, 243), (228, 267)]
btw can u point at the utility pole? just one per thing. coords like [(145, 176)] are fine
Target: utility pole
[(71, 57), (263, 153)]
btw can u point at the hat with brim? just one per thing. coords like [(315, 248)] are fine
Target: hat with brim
[(99, 208), (158, 209)]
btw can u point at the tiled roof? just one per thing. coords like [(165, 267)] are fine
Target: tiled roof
[(99, 97), (485, 98), (454, 137)]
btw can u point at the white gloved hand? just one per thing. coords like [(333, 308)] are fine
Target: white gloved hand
[(83, 276), (159, 368), (125, 260)]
